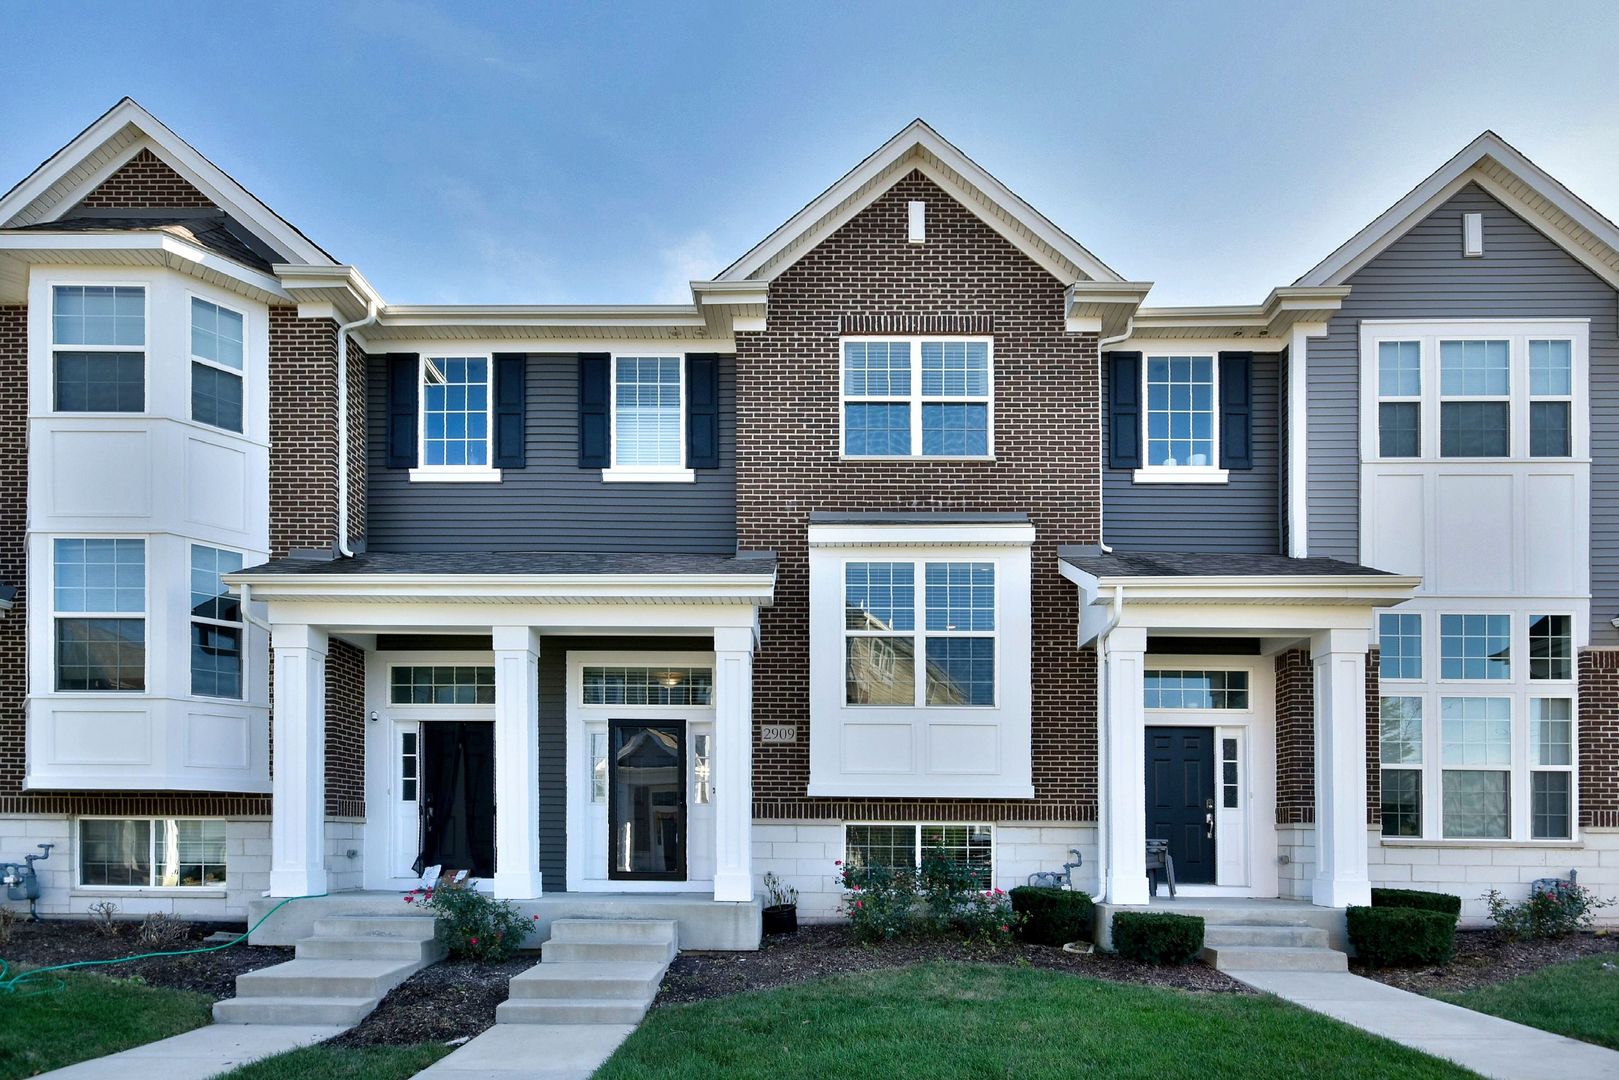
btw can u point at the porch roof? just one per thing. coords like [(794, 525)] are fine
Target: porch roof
[(1198, 564)]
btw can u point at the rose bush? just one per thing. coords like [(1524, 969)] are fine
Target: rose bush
[(473, 925)]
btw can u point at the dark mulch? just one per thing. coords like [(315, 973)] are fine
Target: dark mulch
[(453, 999), (820, 950), (64, 941), (1484, 957)]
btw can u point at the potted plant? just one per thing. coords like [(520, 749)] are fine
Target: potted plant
[(781, 907)]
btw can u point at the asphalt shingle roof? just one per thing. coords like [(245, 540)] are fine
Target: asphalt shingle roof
[(1207, 564), (485, 563)]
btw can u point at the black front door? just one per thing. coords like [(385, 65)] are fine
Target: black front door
[(1180, 798), (458, 797), (646, 800)]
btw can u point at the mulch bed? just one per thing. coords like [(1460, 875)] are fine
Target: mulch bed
[(1484, 957), (820, 950), (64, 941), (453, 999)]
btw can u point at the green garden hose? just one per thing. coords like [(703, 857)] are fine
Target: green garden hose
[(13, 984)]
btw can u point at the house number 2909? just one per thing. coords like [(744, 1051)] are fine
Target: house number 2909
[(778, 733)]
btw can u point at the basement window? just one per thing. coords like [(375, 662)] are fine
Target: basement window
[(152, 853)]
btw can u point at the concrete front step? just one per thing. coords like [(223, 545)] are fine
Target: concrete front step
[(348, 977), (1297, 937), (405, 927), (368, 947), (606, 952), (571, 1011), (597, 981), (616, 931), (293, 1010), (1273, 958)]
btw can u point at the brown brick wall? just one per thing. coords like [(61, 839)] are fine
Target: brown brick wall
[(966, 278), (1374, 738), (1295, 738), (303, 434), (145, 182), (1599, 738), (13, 562), (345, 730)]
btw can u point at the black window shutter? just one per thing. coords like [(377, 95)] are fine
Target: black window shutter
[(1124, 410), (1236, 410), (702, 411), (404, 376), (511, 396), (595, 387)]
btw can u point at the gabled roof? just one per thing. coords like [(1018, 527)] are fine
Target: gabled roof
[(918, 146), (1506, 174), (52, 190)]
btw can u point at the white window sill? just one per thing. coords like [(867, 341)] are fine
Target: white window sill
[(1417, 841), (208, 892), (1181, 474), (454, 474), (916, 457), (648, 475)]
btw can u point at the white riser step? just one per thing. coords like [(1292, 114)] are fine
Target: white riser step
[(411, 927), (629, 981), (1271, 958), (605, 952), (616, 931), (293, 1010), (578, 1011), (361, 947), (1298, 937)]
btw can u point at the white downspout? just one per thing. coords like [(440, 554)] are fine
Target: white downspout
[(1101, 425), (1101, 741), (343, 426)]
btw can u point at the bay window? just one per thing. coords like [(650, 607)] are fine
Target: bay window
[(1551, 779), (881, 600), (1400, 751), (917, 397), (216, 365), (1399, 395), (98, 339), (1551, 397), (216, 624), (98, 598)]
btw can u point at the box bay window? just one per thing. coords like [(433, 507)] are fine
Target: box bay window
[(1551, 779), (917, 397), (216, 624), (1475, 399), (881, 600), (98, 339), (216, 365), (99, 599)]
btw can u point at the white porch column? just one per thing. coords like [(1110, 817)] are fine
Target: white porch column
[(733, 763), (1339, 660), (298, 788), (517, 762), (1124, 781)]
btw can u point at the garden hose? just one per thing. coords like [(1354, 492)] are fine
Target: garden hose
[(13, 984)]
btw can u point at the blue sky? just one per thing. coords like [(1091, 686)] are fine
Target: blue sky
[(609, 153)]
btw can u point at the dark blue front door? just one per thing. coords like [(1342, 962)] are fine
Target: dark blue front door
[(1180, 798)]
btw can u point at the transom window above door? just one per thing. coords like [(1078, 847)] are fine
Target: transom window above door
[(917, 398), (441, 684), (1196, 689)]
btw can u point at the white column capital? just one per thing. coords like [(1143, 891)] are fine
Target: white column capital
[(1341, 640), (516, 639), (734, 639), (299, 636), (1127, 639)]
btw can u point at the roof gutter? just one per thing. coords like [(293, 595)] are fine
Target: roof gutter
[(1102, 737), (343, 424)]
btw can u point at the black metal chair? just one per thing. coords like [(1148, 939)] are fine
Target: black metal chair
[(1160, 861)]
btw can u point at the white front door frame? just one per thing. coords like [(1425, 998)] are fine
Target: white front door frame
[(587, 819), (1245, 837)]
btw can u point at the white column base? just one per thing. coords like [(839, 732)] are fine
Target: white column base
[(517, 885), (1340, 892), (733, 887), (302, 882)]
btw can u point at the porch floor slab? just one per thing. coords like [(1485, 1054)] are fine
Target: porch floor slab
[(1488, 1045), (532, 1051)]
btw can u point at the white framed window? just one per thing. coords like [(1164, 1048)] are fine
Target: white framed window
[(647, 685), (216, 624), (1399, 645), (218, 334), (1551, 775), (98, 346), (917, 397), (1492, 389), (1183, 689), (1551, 647), (1475, 646), (957, 601), (410, 763), (98, 602), (1400, 753), (874, 844), (441, 684), (648, 419), (1180, 395), (1476, 756), (152, 853), (455, 419)]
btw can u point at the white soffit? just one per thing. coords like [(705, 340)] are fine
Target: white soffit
[(1510, 177), (118, 135), (918, 146)]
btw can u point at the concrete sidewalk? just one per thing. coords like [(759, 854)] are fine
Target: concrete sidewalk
[(532, 1051), (200, 1054), (1486, 1044)]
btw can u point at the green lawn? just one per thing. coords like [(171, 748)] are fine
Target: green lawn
[(1579, 999), (343, 1063), (90, 1017), (944, 1021)]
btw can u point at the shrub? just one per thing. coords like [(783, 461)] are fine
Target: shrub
[(1051, 916), (1401, 936), (104, 918), (879, 900), (1416, 898), (1157, 938), (1563, 909), (472, 924), (8, 923), (160, 932), (941, 899)]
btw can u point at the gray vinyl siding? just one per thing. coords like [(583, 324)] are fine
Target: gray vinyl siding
[(1240, 516), (554, 736), (551, 504), (1423, 275)]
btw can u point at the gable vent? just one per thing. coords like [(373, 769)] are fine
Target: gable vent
[(919, 221), (1472, 235)]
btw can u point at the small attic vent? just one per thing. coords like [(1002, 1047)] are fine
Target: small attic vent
[(919, 221), (1472, 235)]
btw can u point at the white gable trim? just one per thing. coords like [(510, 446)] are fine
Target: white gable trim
[(1509, 177), (919, 146), (52, 189)]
